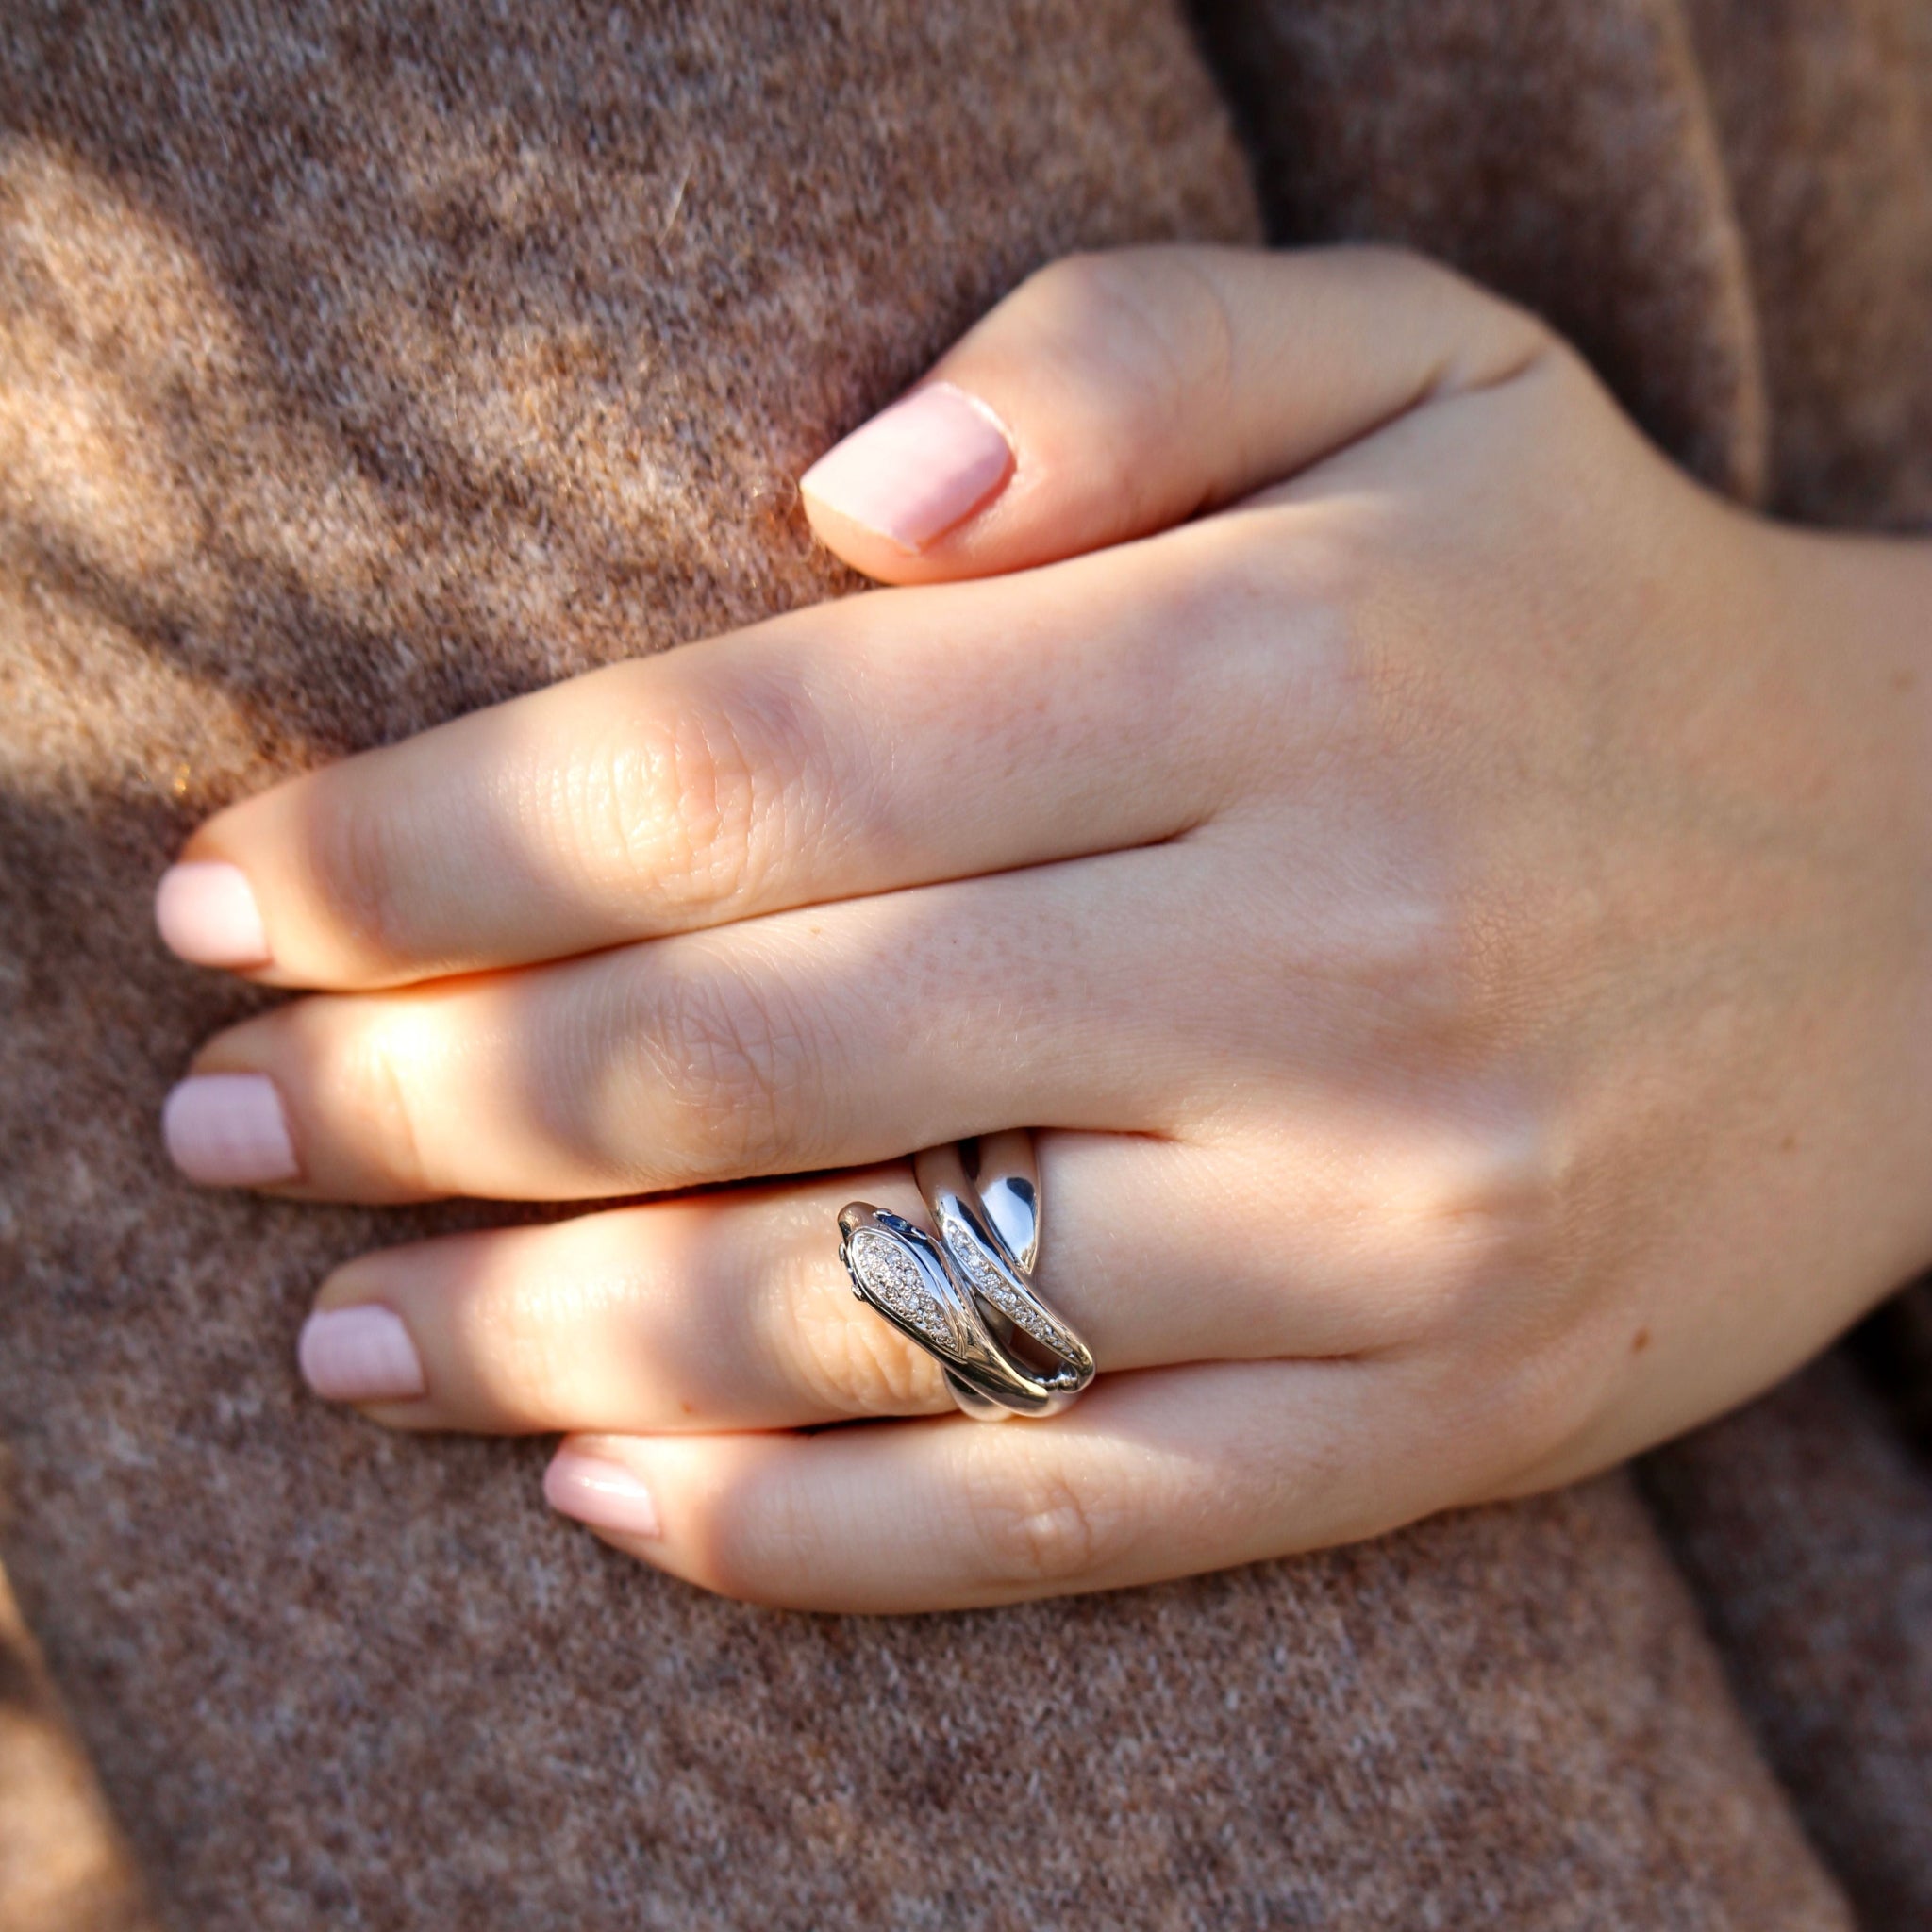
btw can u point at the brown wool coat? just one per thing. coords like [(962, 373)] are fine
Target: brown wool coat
[(363, 362)]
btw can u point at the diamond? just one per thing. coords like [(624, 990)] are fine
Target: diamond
[(896, 1280), (978, 1266)]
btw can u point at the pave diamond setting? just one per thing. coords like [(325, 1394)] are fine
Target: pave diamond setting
[(1023, 1310), (962, 1286), (896, 1280)]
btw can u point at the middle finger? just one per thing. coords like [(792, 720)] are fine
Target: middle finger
[(831, 1036)]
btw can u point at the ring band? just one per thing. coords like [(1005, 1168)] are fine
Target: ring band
[(967, 1297)]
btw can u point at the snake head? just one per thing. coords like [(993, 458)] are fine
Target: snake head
[(898, 1269)]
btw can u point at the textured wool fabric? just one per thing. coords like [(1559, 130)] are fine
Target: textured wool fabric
[(1807, 1528), (363, 363), (1822, 110), (1561, 153)]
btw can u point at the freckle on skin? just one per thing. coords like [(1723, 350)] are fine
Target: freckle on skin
[(1639, 1341), (1788, 1145)]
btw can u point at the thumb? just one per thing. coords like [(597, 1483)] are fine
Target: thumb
[(1112, 396)]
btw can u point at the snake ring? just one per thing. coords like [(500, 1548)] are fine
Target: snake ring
[(967, 1296)]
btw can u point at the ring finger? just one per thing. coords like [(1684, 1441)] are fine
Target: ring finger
[(732, 1310)]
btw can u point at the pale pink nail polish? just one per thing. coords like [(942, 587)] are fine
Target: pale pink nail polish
[(604, 1494), (916, 469), (228, 1130), (206, 915), (362, 1354)]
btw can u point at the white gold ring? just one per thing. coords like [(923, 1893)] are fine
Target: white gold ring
[(967, 1296)]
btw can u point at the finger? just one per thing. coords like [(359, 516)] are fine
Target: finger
[(733, 1310), (1115, 394), (834, 1037), (1151, 1475), (854, 748)]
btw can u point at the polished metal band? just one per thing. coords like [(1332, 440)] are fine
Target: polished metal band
[(967, 1296)]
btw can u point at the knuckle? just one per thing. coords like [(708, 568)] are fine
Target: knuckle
[(1502, 327), (1418, 270), (359, 851), (516, 1343), (1501, 1411), (1548, 1396), (1036, 1524), (757, 1539), (371, 1081), (844, 1358), (1148, 332), (673, 803), (1394, 967), (1419, 952), (1296, 634), (1072, 292), (735, 1543), (731, 1063), (1481, 1217), (695, 796)]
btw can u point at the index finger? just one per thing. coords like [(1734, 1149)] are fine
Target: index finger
[(900, 739)]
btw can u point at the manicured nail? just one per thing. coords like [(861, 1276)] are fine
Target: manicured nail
[(604, 1494), (916, 469), (228, 1130), (208, 915), (360, 1354)]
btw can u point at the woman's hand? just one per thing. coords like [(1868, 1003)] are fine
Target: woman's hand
[(1456, 912)]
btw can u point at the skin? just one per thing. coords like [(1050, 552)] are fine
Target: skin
[(1452, 895)]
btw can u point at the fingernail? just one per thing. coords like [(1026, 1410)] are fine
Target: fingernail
[(604, 1494), (208, 915), (360, 1354), (228, 1130), (916, 469)]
